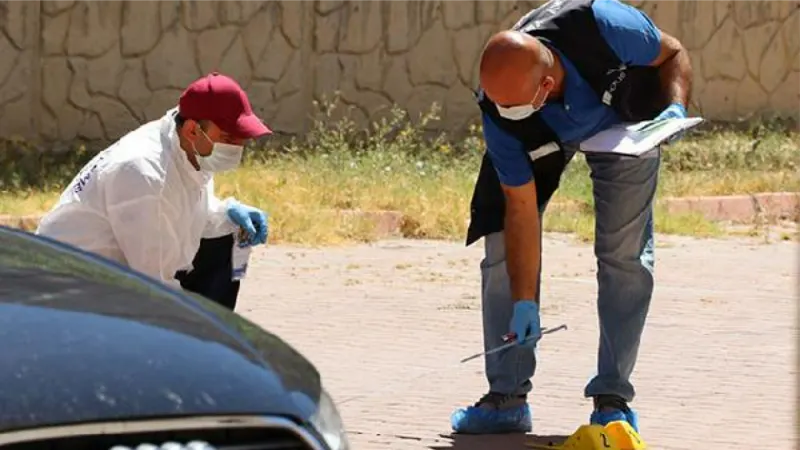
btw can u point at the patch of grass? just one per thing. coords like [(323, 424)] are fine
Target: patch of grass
[(581, 223), (29, 201), (395, 164)]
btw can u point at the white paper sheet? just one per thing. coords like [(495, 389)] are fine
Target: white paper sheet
[(637, 138)]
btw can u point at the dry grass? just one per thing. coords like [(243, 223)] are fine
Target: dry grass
[(393, 166)]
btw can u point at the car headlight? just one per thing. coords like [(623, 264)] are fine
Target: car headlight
[(328, 423)]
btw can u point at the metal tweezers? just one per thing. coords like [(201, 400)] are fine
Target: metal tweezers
[(511, 343)]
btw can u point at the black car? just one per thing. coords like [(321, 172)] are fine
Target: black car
[(96, 356)]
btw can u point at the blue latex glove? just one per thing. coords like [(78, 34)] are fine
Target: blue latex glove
[(252, 220), (673, 111), (525, 323)]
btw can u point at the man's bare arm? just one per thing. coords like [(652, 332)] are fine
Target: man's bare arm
[(675, 70), (522, 240)]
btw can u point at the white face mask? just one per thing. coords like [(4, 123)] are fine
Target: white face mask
[(516, 112), (521, 111), (223, 156)]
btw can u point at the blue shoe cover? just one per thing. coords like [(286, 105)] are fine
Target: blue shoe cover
[(606, 417), (477, 420)]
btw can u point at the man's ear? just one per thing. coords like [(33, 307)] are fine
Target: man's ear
[(192, 129), (548, 83), (189, 134)]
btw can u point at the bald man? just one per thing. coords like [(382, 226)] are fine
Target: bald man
[(567, 70)]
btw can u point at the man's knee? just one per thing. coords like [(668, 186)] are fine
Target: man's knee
[(626, 246)]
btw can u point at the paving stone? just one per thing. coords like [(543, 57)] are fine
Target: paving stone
[(387, 324)]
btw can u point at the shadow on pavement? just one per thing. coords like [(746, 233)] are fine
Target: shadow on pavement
[(496, 442)]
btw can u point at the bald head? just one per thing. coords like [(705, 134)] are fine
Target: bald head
[(512, 68)]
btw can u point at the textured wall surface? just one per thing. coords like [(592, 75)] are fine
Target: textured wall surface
[(95, 69)]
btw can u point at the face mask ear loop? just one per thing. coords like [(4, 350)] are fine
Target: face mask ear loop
[(210, 142)]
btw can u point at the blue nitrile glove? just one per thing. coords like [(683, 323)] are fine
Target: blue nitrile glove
[(673, 111), (525, 323), (251, 220)]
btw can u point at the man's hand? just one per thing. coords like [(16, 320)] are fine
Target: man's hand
[(252, 220), (673, 111), (525, 323)]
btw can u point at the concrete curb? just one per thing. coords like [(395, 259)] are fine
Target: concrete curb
[(734, 208), (739, 208), (386, 223)]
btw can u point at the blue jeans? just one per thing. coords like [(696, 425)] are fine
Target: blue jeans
[(624, 189)]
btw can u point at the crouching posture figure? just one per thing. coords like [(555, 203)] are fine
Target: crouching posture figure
[(148, 201)]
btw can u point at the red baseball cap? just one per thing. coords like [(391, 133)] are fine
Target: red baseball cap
[(221, 100)]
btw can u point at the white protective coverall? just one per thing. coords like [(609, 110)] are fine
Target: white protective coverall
[(141, 203)]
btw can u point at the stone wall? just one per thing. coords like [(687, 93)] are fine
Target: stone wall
[(93, 70)]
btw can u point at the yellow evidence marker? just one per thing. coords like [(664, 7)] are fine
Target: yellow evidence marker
[(617, 435)]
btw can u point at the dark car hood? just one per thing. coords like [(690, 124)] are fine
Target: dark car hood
[(80, 348)]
